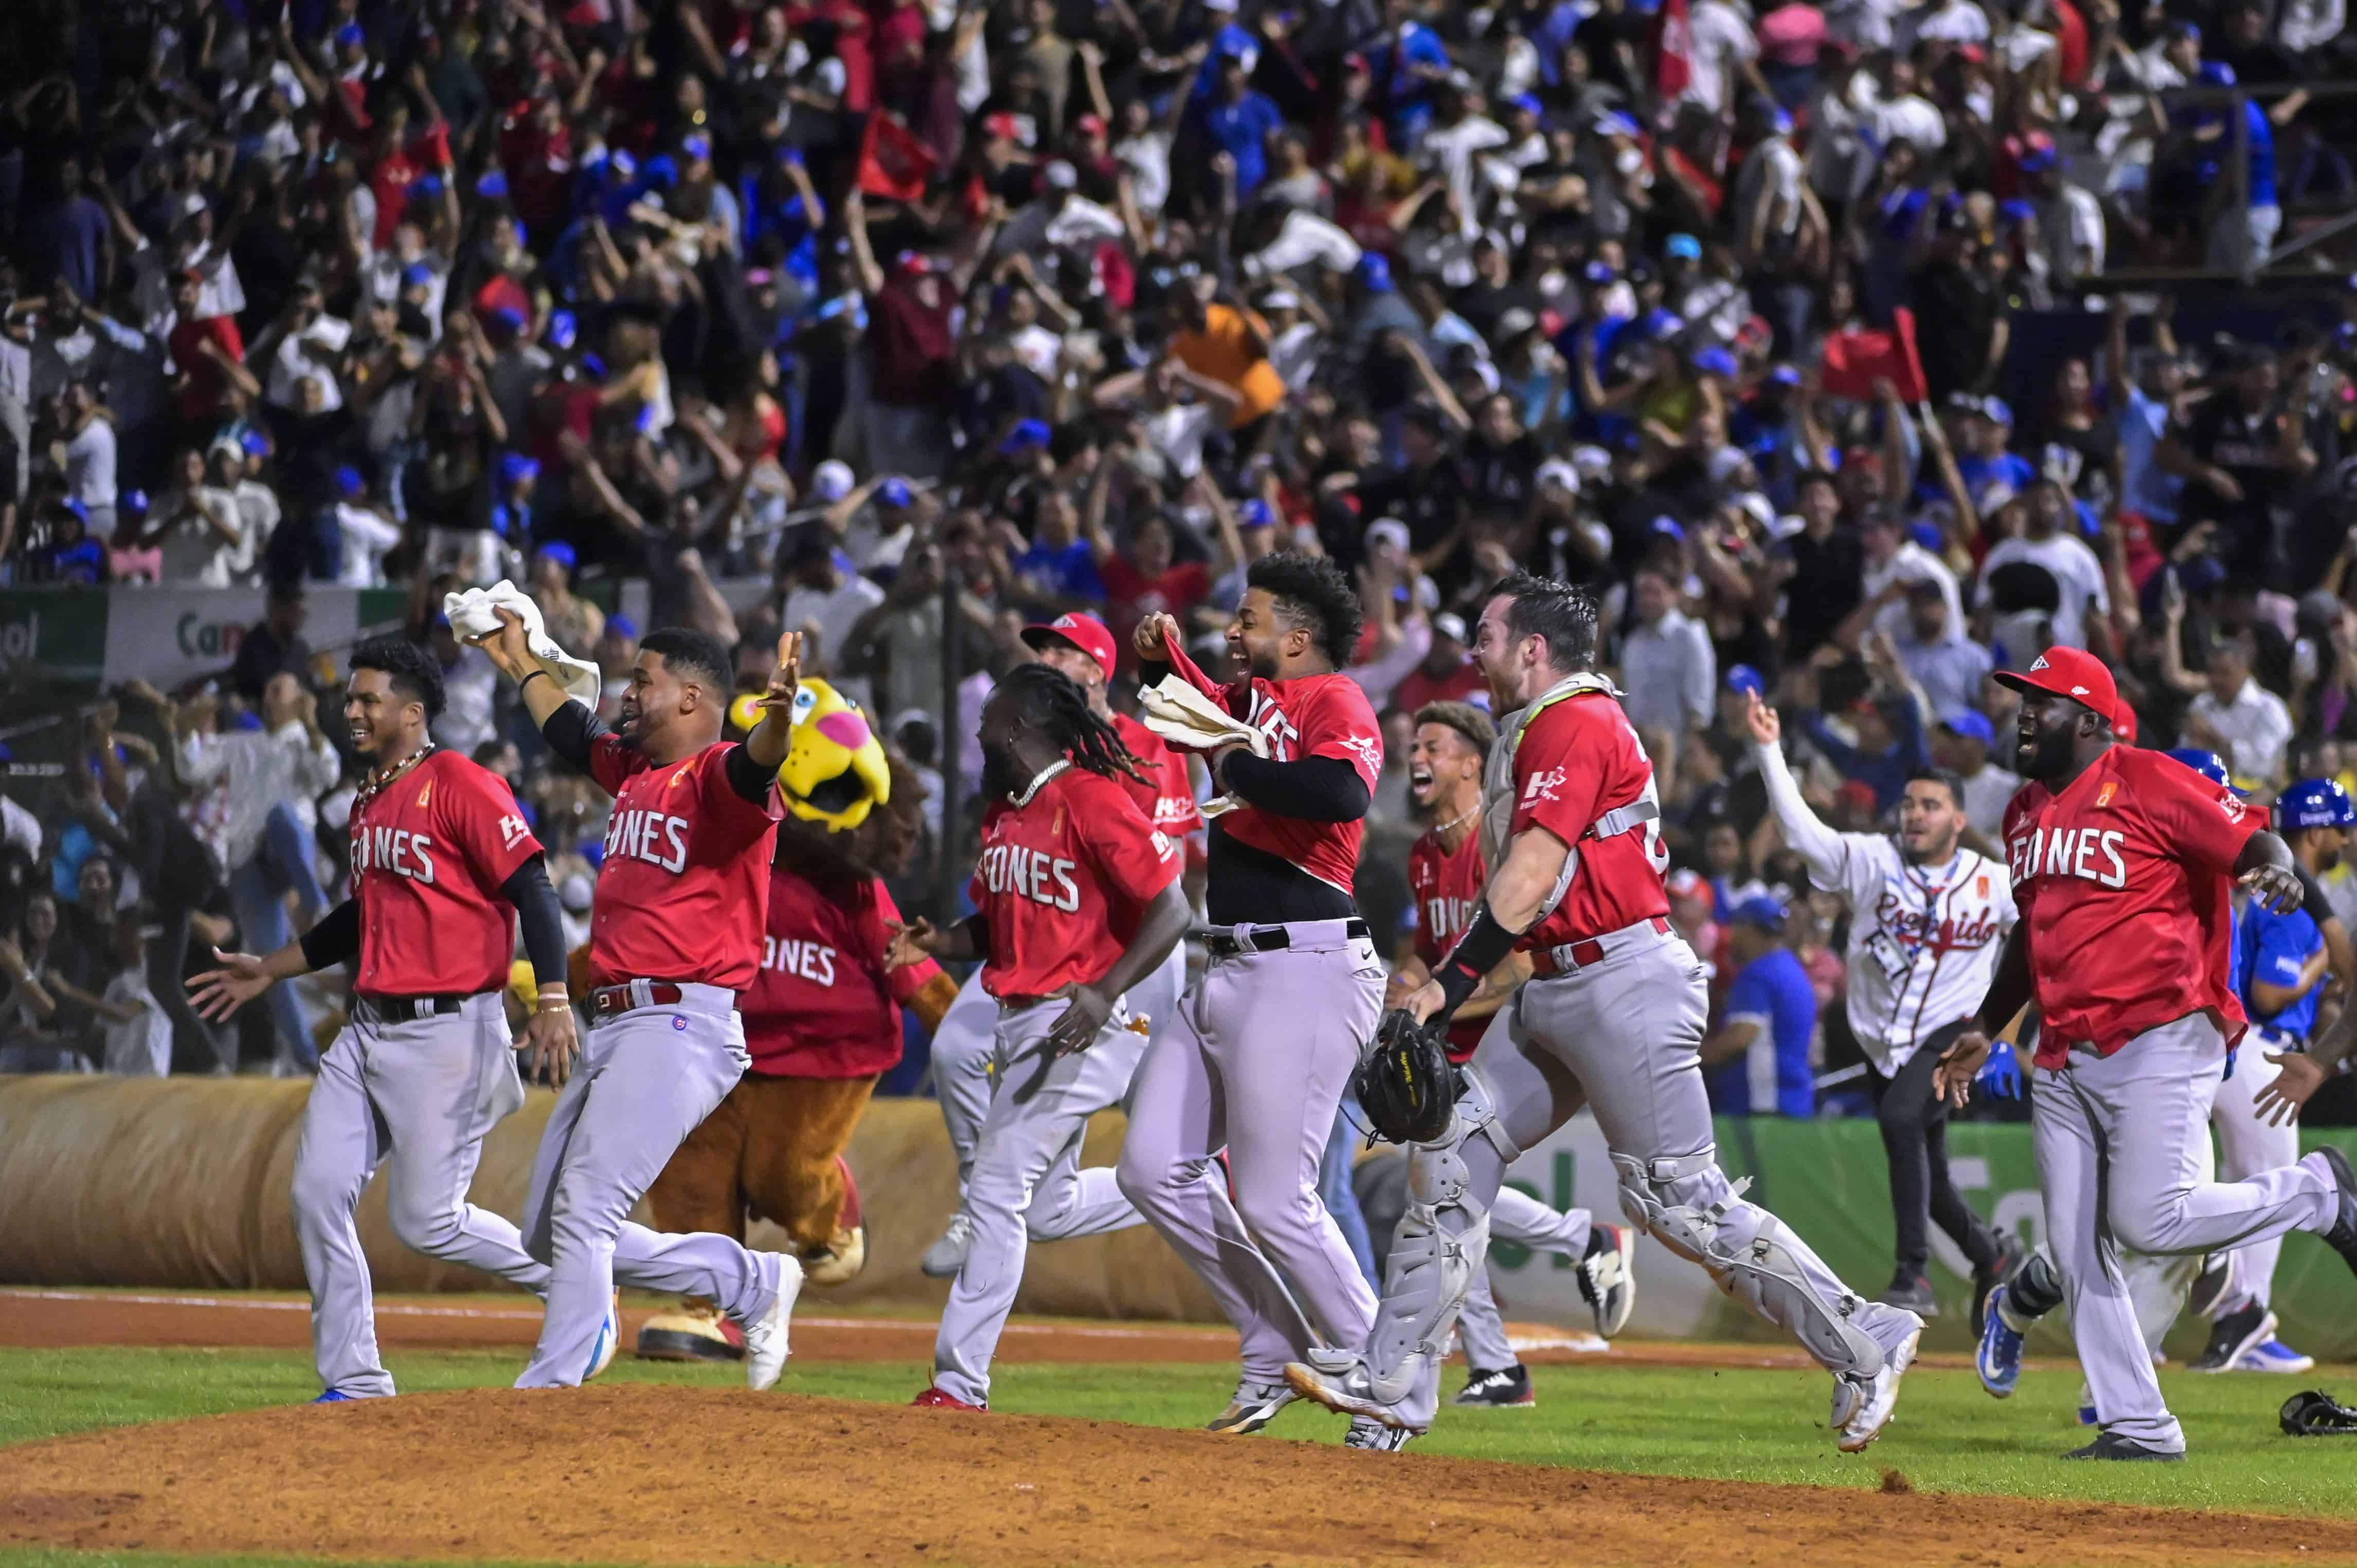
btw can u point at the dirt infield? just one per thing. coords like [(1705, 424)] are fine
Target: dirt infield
[(614, 1474), (50, 1319)]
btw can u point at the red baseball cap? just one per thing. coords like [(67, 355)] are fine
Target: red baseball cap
[(2124, 723), (1085, 632), (2071, 673)]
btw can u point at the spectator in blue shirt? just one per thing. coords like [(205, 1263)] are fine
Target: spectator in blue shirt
[(2278, 961), (76, 242), (1059, 571), (1240, 123), (1409, 72), (1891, 744), (1756, 1060), (2234, 245)]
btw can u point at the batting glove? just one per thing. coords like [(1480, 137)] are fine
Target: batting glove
[(2001, 1074)]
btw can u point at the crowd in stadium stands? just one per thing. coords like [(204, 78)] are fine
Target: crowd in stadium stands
[(899, 321)]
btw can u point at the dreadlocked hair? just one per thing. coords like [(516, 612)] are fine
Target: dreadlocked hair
[(1052, 700)]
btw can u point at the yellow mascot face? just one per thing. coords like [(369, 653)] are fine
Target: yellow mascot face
[(834, 771)]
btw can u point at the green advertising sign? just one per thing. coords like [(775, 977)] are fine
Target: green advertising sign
[(62, 631)]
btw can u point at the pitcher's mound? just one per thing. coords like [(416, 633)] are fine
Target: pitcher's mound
[(657, 1475)]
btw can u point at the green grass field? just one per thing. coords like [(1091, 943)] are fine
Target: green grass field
[(1751, 1426)]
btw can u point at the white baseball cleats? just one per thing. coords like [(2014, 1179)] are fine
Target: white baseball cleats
[(765, 1341)]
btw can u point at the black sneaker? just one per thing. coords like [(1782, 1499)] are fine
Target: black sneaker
[(1912, 1291), (2232, 1335), (1503, 1390), (2342, 1236), (2210, 1285), (2008, 1259), (2110, 1447)]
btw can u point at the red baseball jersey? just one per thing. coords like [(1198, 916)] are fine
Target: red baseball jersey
[(683, 891), (1316, 715), (1576, 760), (1447, 888), (429, 854), (823, 1004), (1061, 881), (1167, 796), (2125, 880)]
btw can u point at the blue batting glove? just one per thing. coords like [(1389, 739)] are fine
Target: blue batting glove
[(2001, 1074)]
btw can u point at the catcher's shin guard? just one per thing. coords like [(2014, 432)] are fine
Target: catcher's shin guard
[(1442, 1238), (1689, 1206)]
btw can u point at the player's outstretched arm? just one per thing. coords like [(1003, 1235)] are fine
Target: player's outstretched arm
[(217, 993), (1158, 930), (1818, 845), (920, 940)]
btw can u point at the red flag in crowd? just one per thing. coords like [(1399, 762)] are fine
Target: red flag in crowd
[(893, 163), (1673, 50), (1858, 358)]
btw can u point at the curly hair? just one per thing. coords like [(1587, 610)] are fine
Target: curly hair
[(1312, 593), (1470, 721), (412, 672), (1054, 701)]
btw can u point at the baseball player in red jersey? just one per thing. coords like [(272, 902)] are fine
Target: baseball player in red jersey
[(2124, 863), (1081, 648), (821, 1023), (1616, 1006), (1076, 901), (1266, 1042), (1446, 872), (674, 939), (440, 857)]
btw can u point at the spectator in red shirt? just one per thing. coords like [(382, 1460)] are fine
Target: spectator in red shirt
[(210, 353), (1448, 674), (913, 375), (1147, 578)]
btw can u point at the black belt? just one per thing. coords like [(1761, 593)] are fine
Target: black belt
[(1268, 938), (409, 1009)]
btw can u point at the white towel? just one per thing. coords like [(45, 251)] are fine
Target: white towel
[(1182, 716), (475, 613)]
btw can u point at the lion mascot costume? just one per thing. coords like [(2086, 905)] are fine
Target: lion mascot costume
[(822, 1019)]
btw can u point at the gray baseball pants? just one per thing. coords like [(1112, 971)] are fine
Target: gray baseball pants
[(1026, 1184), (645, 1080), (1256, 1061), (421, 1096), (2124, 1159)]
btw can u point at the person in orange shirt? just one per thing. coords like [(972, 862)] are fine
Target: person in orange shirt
[(1228, 345)]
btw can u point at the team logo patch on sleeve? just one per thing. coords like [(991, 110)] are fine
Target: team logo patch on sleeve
[(2104, 796), (679, 1022), (1542, 786)]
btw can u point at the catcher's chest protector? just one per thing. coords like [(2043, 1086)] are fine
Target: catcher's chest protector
[(1498, 779)]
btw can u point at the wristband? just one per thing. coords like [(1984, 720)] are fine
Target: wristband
[(1485, 945), (528, 679)]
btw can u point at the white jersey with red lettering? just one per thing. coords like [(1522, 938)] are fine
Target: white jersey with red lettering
[(1923, 940)]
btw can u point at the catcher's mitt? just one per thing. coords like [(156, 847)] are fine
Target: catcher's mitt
[(2317, 1414), (1406, 1085)]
